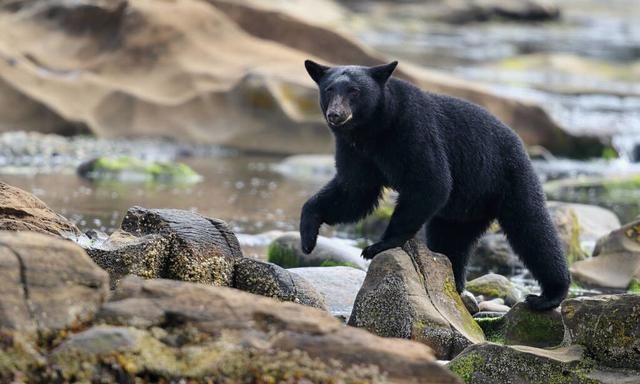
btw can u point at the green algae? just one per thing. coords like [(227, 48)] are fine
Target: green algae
[(126, 168)]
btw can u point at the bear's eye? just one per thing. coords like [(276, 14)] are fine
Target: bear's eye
[(328, 89), (353, 91)]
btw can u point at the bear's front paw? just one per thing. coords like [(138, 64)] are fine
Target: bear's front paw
[(309, 234), (371, 251)]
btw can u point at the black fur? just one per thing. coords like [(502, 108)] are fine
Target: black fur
[(456, 168)]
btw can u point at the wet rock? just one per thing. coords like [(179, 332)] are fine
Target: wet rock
[(493, 254), (338, 285), (495, 286), (522, 326), (126, 168), (493, 363), (267, 279), (607, 326), (124, 254), (470, 302), (200, 249), (615, 262), (47, 284), (410, 293), (166, 329), (21, 211), (285, 251)]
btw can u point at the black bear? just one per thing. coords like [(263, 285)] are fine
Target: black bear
[(455, 166)]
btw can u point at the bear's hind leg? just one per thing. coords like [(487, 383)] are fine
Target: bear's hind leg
[(532, 235), (454, 240)]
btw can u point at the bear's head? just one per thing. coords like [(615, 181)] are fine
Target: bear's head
[(349, 95)]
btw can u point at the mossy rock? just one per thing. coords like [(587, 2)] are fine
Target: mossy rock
[(127, 168), (285, 251), (493, 363), (607, 326), (495, 286), (634, 286)]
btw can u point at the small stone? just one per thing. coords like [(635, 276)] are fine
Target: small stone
[(492, 306), (495, 286), (470, 302)]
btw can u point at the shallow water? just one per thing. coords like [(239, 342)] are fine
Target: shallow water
[(240, 189)]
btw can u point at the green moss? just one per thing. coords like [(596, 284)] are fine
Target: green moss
[(634, 286), (493, 328), (536, 329), (465, 366), (575, 252), (123, 167), (609, 153), (283, 256)]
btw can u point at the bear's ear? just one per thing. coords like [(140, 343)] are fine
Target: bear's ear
[(381, 73), (315, 70)]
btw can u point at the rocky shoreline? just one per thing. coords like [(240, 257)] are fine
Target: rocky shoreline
[(170, 296)]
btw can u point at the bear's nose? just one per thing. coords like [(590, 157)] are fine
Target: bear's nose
[(333, 117)]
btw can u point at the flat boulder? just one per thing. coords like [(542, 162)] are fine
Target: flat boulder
[(166, 329), (47, 284), (410, 293), (22, 211), (338, 285), (615, 262)]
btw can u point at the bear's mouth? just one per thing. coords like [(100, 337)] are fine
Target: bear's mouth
[(341, 122)]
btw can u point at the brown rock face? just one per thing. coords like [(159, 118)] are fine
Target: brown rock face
[(149, 68), (21, 211), (256, 335), (411, 294), (47, 284)]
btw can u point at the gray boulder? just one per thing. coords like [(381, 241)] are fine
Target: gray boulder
[(495, 286), (285, 251), (410, 293)]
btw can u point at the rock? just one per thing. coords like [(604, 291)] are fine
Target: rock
[(267, 279), (566, 222), (522, 326), (492, 306), (126, 168), (495, 286), (310, 168), (170, 84), (47, 284), (616, 260), (124, 254), (338, 285), (470, 302), (21, 211), (593, 221), (493, 254), (410, 294), (493, 363), (607, 326), (200, 249), (285, 251), (490, 10), (166, 329)]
